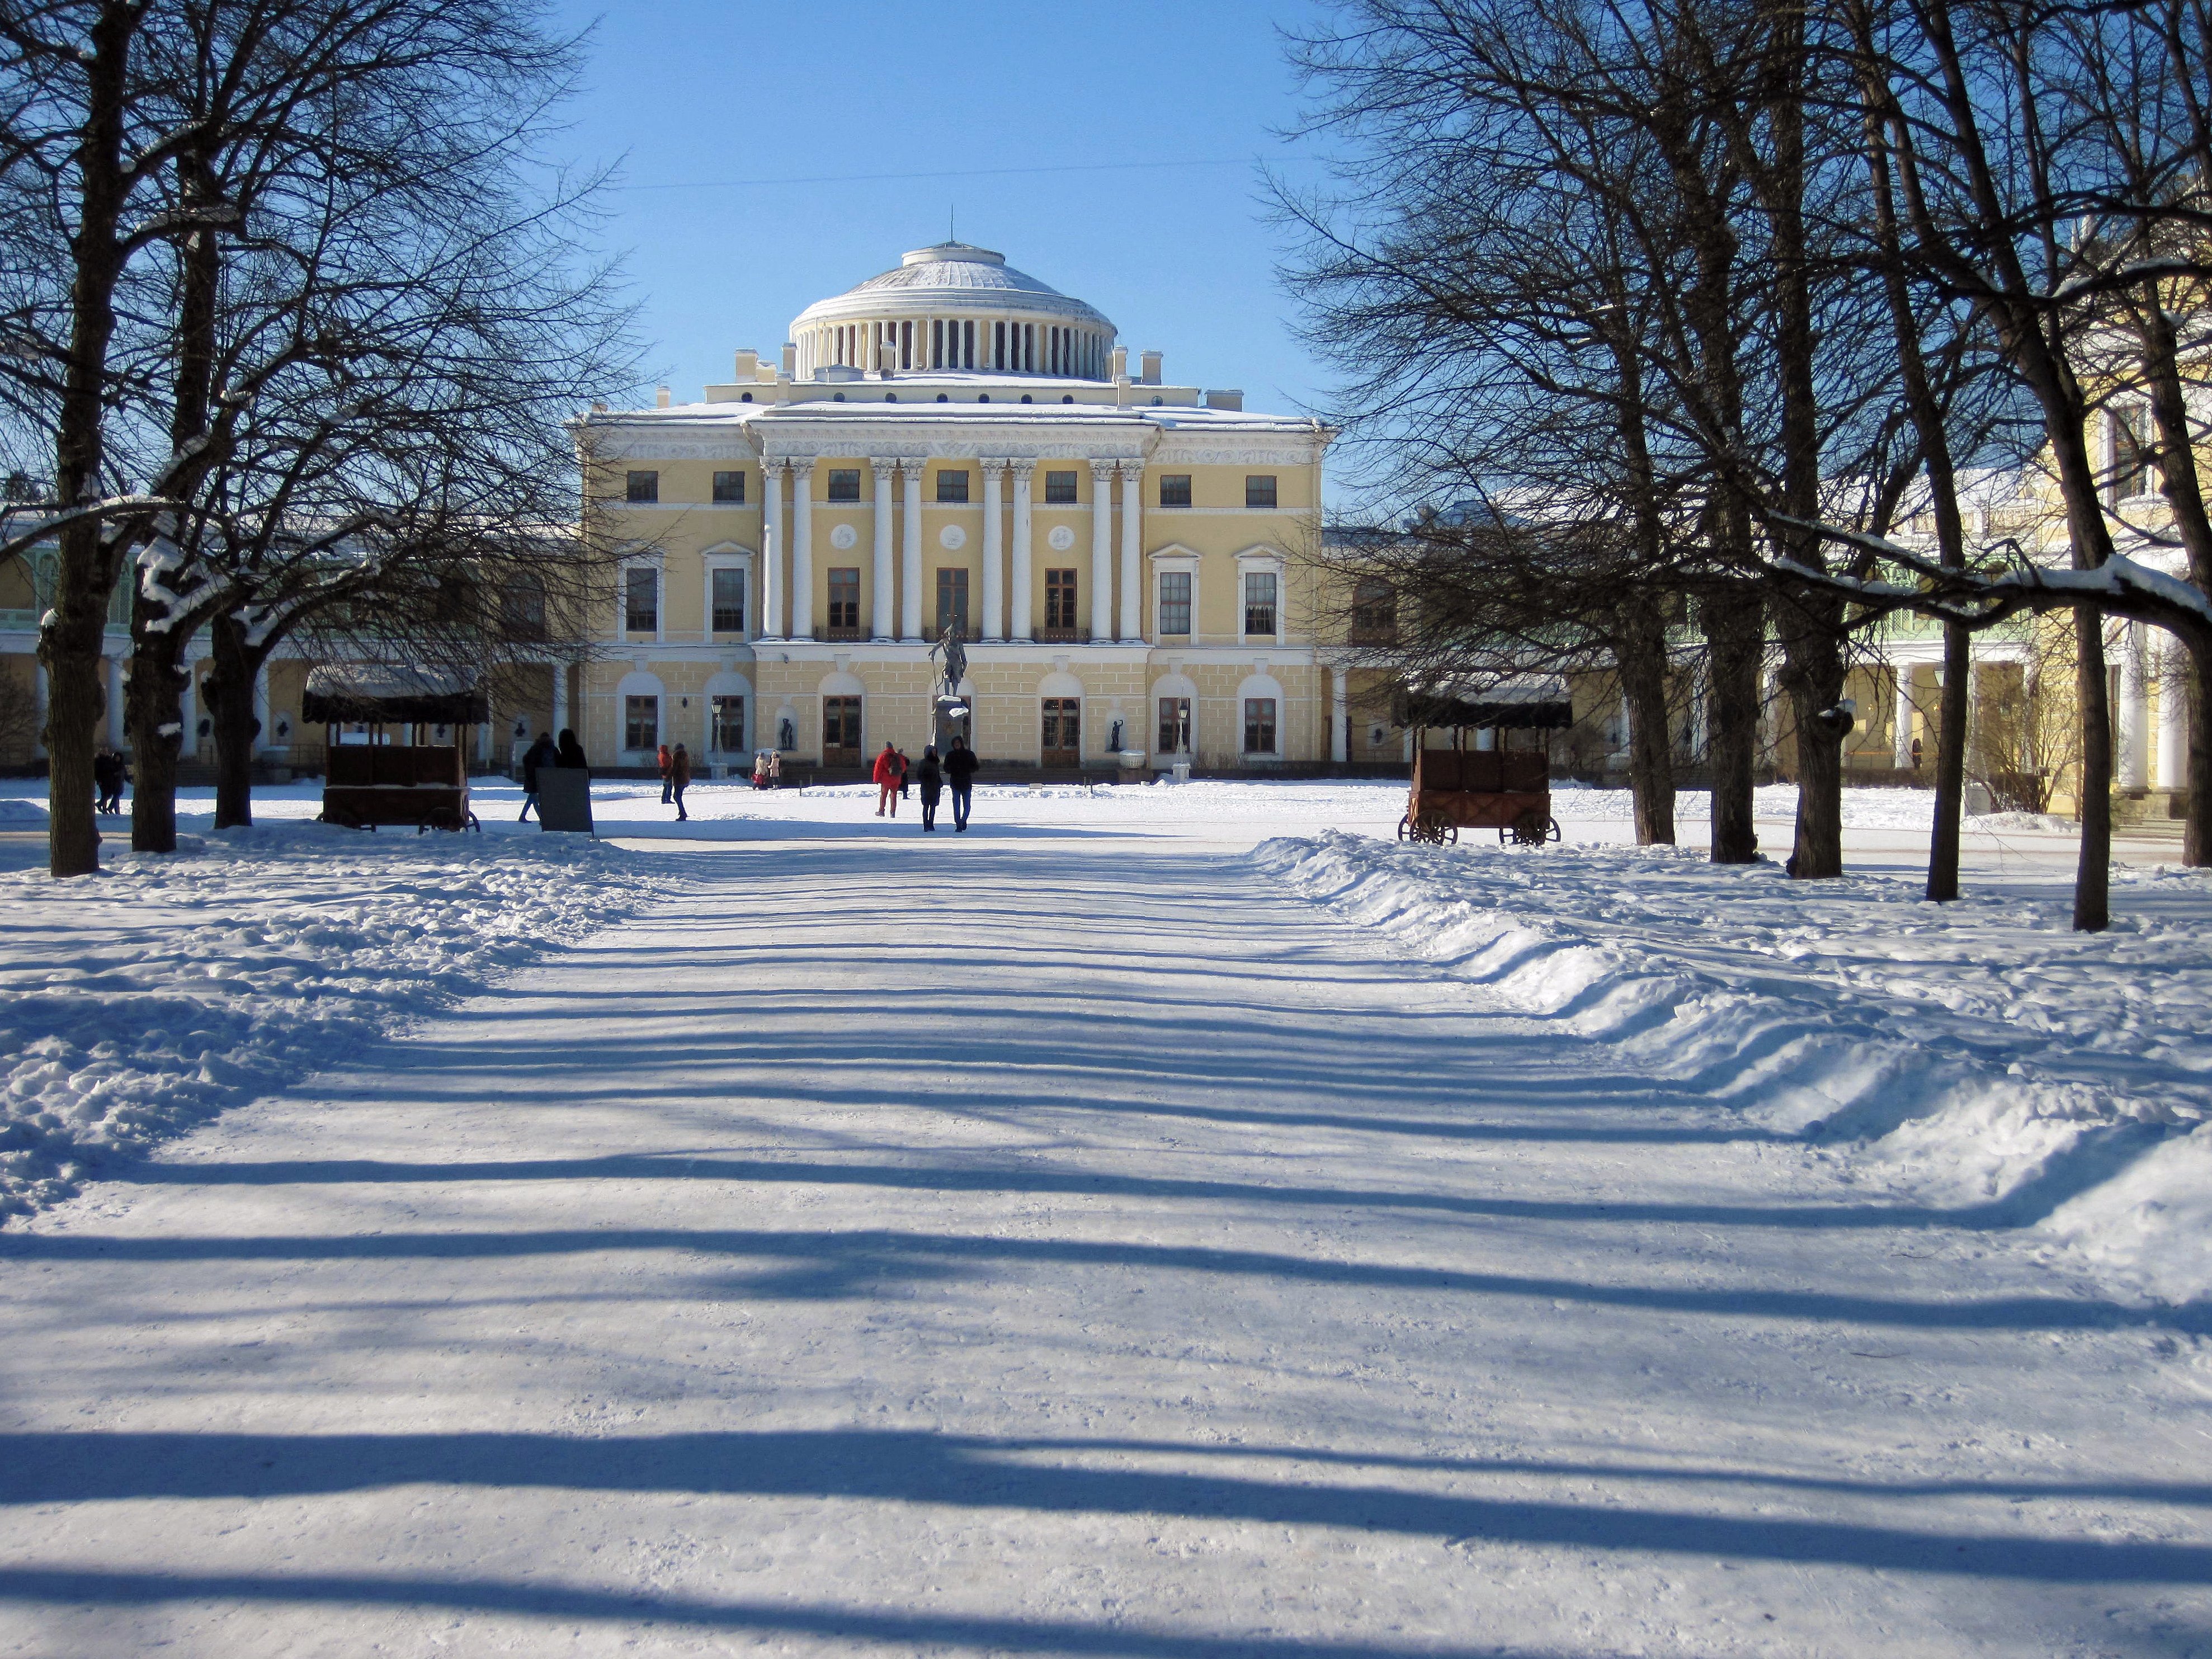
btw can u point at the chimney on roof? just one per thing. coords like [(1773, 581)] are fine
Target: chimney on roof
[(662, 397), (748, 366), (790, 360), (1151, 376), (1224, 399), (1119, 369)]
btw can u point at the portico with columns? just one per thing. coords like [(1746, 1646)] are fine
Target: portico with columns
[(875, 506)]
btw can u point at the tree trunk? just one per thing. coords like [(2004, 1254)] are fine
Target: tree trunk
[(154, 710), (1812, 669), (1736, 637), (75, 703), (1950, 765), (2093, 880), (230, 702), (1642, 653), (2196, 837)]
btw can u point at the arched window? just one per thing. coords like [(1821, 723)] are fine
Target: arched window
[(983, 397), (1069, 398), (943, 399), (841, 397), (1025, 397), (746, 399), (890, 396)]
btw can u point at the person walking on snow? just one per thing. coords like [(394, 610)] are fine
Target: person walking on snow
[(931, 777), (570, 755), (667, 776), (960, 772), (108, 776), (906, 768), (887, 781), (539, 755), (679, 778)]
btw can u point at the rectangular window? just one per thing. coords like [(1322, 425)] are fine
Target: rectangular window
[(1259, 725), (1259, 490), (1063, 729), (1029, 346), (730, 489), (968, 334), (1259, 602), (1374, 612), (952, 601), (841, 727), (2130, 453), (845, 600), (937, 343), (1060, 489), (522, 609), (844, 483), (1059, 599), (729, 731), (1174, 490), (640, 722), (729, 601), (906, 345), (952, 486), (1174, 726), (998, 345), (644, 487), (1175, 602), (642, 600)]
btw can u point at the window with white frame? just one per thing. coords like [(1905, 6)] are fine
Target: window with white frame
[(640, 722), (1260, 601), (642, 600), (1259, 725), (729, 600), (1175, 602), (729, 724)]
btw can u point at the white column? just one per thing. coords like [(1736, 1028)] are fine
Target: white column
[(883, 610), (39, 697), (995, 554), (115, 702), (1102, 552), (802, 549), (910, 553), (1020, 594), (1339, 700), (771, 577), (261, 710), (561, 721), (1900, 744), (1133, 494), (2135, 708), (2173, 718)]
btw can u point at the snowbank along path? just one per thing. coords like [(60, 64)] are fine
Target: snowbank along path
[(1057, 1241)]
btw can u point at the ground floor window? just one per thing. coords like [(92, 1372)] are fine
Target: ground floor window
[(1063, 729), (729, 729), (640, 722), (1174, 726), (840, 728), (952, 601), (1259, 725)]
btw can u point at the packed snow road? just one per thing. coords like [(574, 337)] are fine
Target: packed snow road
[(1055, 1241)]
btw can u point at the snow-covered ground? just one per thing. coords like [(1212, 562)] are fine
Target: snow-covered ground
[(136, 1004), (1103, 1234)]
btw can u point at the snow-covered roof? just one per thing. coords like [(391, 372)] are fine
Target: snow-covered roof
[(949, 279)]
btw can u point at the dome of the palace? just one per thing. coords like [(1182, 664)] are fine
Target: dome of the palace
[(953, 278)]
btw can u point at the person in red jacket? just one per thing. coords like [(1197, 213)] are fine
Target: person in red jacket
[(667, 776), (888, 773)]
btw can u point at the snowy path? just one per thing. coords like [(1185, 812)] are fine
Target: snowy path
[(1101, 1252)]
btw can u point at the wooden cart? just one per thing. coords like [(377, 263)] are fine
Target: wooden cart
[(1496, 788), (374, 780)]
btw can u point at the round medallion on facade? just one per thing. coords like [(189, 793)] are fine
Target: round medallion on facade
[(952, 538), (843, 537), (1061, 539)]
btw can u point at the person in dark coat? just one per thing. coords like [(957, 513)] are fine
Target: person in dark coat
[(906, 773), (107, 778), (960, 772), (571, 752), (929, 777), (679, 778), (540, 754)]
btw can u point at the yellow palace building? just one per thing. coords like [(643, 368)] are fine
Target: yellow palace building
[(953, 440)]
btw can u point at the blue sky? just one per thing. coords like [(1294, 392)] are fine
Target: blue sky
[(717, 109)]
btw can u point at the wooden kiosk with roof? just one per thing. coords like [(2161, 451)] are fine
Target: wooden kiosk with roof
[(374, 780), (1498, 787)]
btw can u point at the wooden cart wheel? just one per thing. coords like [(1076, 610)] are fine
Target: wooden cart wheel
[(1530, 829), (440, 817), (1405, 829), (1444, 832), (341, 818)]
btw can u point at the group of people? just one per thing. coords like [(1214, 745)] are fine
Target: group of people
[(767, 770), (933, 777), (569, 752), (110, 772)]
